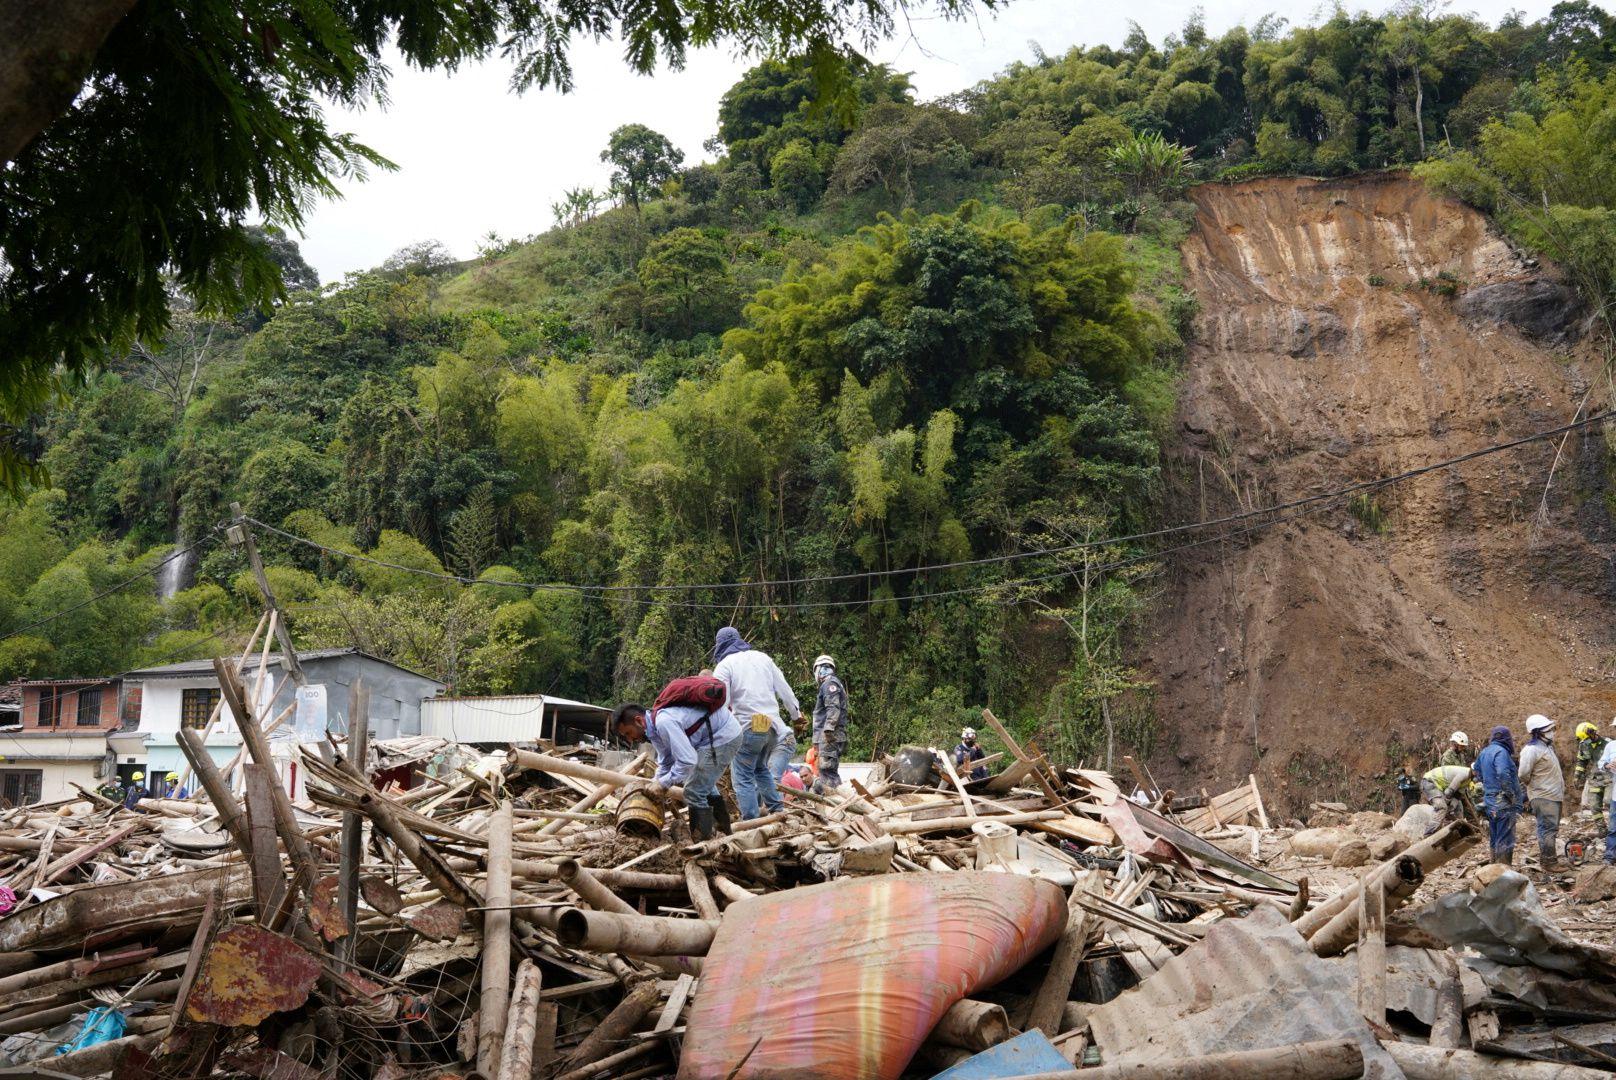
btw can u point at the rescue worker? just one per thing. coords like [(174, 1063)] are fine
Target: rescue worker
[(1500, 794), (756, 688), (830, 724), (111, 790), (968, 750), (1408, 788), (1607, 765), (135, 790), (1544, 782), (171, 786), (693, 748), (1458, 751), (1586, 775), (1444, 788)]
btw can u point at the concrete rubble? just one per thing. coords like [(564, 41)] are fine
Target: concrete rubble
[(535, 921)]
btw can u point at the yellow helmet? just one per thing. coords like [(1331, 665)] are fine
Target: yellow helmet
[(137, 776), (1587, 730)]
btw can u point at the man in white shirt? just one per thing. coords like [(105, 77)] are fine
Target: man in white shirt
[(756, 689), (1607, 765)]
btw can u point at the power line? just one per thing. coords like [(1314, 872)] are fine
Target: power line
[(1321, 499), (102, 595)]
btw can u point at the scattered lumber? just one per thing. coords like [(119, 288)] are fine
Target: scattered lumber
[(497, 921)]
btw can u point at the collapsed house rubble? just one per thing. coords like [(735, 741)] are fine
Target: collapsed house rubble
[(538, 917)]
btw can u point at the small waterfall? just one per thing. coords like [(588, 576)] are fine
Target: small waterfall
[(177, 573)]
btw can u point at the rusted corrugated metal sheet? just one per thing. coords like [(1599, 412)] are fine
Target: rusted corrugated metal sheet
[(249, 974), (325, 913), (1251, 984), (440, 921)]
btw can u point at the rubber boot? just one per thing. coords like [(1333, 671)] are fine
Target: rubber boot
[(701, 822), (718, 812), (1507, 857)]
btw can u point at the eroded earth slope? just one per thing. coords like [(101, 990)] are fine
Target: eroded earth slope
[(1349, 330)]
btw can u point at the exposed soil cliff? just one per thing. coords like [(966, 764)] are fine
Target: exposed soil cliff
[(1348, 330)]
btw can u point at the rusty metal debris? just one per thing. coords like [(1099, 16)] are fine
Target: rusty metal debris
[(248, 974), (1188, 937)]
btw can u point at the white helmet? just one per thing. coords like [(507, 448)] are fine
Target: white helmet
[(822, 660), (1538, 722), (1459, 737), (968, 733)]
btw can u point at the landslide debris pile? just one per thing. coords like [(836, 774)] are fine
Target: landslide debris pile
[(1352, 329), (532, 919)]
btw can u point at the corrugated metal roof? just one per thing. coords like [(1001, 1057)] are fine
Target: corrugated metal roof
[(1250, 984), (193, 668), (86, 681)]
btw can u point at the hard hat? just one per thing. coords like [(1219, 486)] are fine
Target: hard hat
[(968, 733), (1587, 729), (1538, 722), (137, 776), (827, 661), (172, 776), (1459, 737)]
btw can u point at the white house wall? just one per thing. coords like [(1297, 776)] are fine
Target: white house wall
[(161, 701)]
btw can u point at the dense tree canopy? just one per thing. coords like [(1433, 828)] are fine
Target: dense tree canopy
[(193, 116), (870, 337)]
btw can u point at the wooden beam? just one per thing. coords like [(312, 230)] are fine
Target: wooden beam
[(353, 822), (268, 879), (1372, 951), (953, 775), (496, 973), (1020, 755)]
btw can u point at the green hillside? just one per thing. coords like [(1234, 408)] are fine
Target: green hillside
[(874, 335)]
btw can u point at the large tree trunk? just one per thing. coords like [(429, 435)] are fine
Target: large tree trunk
[(45, 52)]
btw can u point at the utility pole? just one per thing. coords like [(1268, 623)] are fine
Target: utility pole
[(240, 534)]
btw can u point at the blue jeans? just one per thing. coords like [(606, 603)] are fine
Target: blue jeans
[(1501, 829), (1610, 837), (749, 772), (710, 765), (781, 756)]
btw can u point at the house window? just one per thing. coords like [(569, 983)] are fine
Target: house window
[(20, 786), (196, 706), (90, 707), (50, 708)]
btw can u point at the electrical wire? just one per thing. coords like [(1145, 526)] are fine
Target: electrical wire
[(605, 591), (103, 594)]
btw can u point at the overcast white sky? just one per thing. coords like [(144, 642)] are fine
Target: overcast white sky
[(473, 156)]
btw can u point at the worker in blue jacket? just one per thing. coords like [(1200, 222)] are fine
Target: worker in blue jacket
[(1501, 796)]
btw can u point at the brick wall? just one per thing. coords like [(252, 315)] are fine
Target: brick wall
[(67, 706)]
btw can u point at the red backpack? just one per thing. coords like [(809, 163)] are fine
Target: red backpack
[(703, 692)]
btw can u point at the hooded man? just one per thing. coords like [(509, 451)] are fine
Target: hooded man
[(830, 724), (1544, 782), (1500, 793), (756, 688)]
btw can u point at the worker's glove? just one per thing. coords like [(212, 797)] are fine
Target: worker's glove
[(656, 791)]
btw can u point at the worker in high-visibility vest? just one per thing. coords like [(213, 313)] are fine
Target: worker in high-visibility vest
[(1446, 788)]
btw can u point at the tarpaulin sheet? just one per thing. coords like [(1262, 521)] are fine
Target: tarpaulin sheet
[(843, 981), (1504, 921)]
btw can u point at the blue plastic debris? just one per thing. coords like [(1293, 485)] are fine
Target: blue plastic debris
[(102, 1025), (1029, 1052)]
